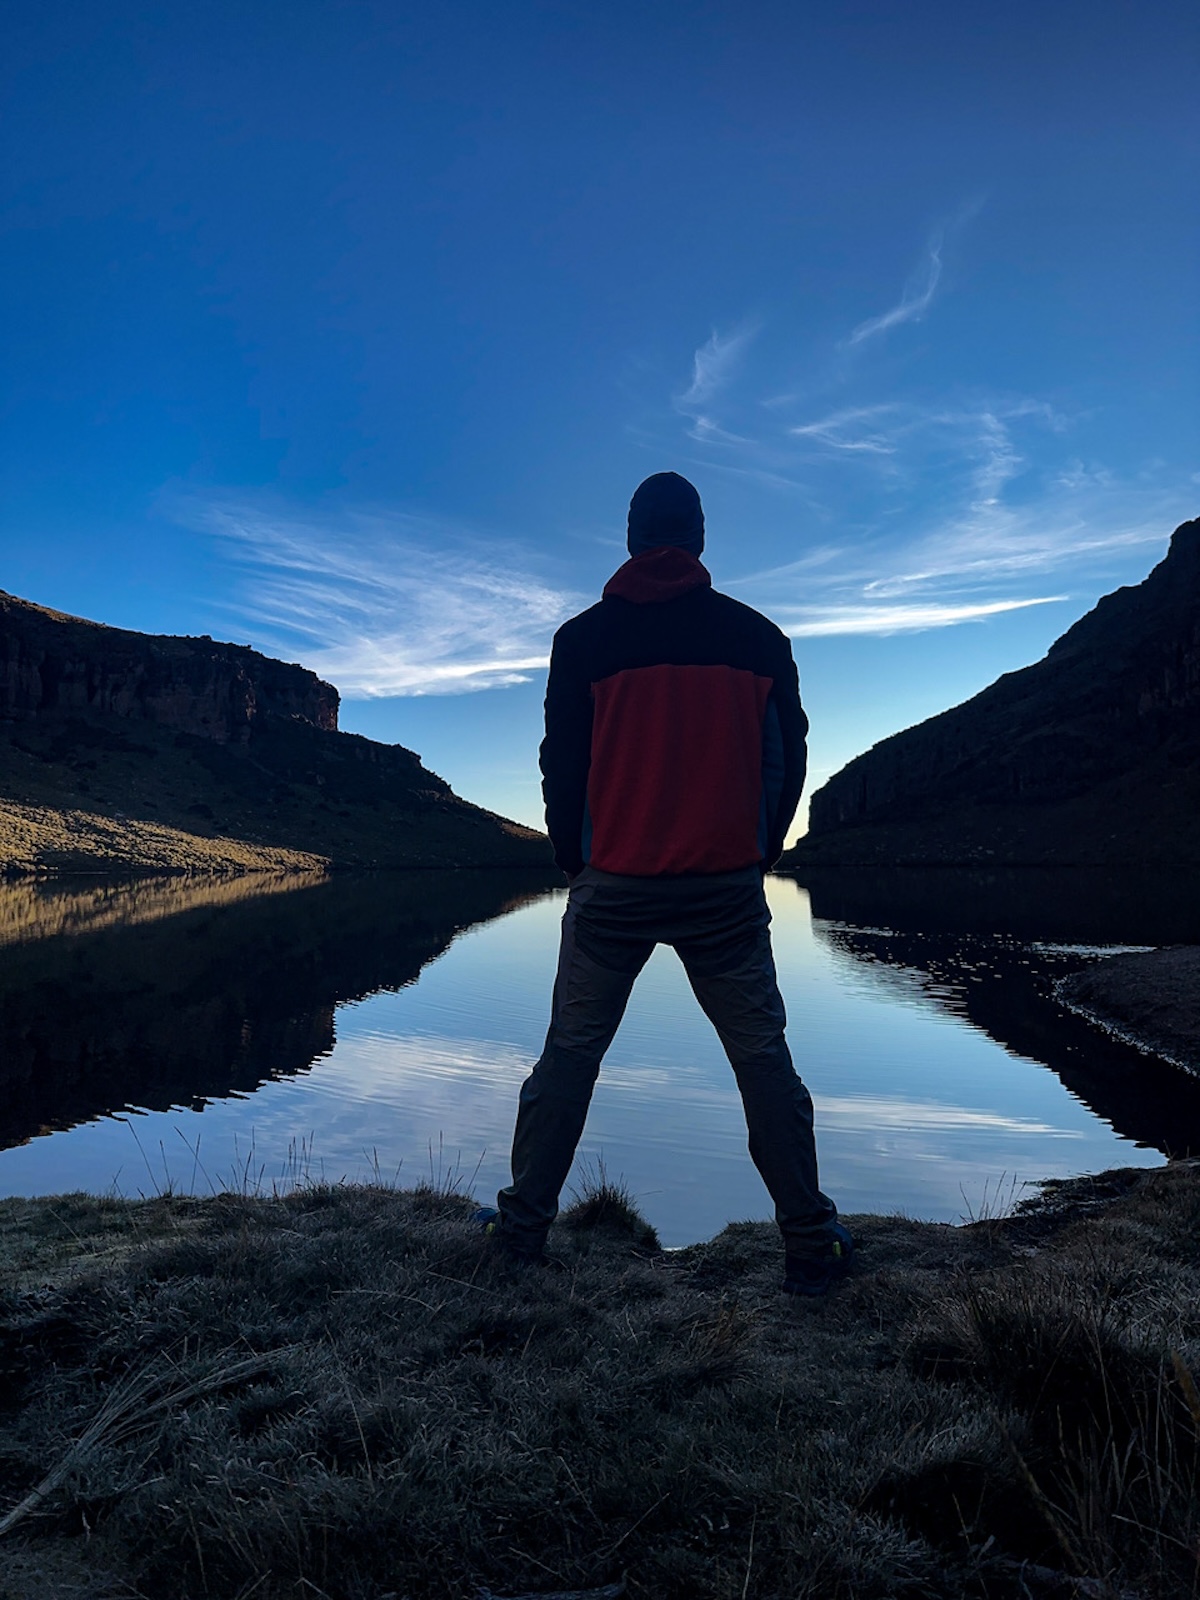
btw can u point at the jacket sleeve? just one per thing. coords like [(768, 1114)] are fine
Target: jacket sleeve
[(793, 734), (566, 753)]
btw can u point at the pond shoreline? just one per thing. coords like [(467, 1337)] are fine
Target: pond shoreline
[(1150, 999), (342, 1390)]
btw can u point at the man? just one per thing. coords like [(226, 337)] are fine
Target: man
[(672, 766)]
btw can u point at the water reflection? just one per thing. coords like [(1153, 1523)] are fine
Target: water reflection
[(392, 1019), (173, 992), (1077, 905), (991, 947), (31, 910), (1006, 989)]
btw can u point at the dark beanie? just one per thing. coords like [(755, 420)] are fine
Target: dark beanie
[(665, 509)]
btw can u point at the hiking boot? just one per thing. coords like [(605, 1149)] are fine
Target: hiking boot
[(816, 1275), (490, 1223)]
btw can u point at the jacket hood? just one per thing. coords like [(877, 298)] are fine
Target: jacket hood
[(657, 575)]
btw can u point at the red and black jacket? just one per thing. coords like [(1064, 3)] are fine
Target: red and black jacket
[(675, 738)]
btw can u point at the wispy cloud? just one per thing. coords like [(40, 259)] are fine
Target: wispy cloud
[(386, 604), (712, 365), (968, 510), (814, 622), (1012, 544), (843, 430), (965, 569), (904, 511), (914, 302)]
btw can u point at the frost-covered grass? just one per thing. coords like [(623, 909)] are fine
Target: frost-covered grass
[(342, 1391)]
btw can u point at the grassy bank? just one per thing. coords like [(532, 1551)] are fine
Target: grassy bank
[(343, 1393), (102, 794), (1151, 998), (38, 841)]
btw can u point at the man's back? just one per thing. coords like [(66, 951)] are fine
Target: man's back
[(674, 732)]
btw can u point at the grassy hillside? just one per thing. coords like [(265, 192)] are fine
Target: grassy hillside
[(84, 791)]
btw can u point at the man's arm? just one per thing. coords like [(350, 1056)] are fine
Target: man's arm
[(566, 753), (791, 754)]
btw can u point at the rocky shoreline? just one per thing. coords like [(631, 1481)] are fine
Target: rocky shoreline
[(1149, 998)]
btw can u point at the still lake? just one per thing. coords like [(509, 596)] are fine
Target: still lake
[(254, 1033)]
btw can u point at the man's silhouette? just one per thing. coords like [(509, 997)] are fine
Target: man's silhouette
[(672, 766)]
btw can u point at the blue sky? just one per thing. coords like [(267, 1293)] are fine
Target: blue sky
[(347, 330)]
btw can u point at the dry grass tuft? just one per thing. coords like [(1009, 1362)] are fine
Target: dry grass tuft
[(600, 1203)]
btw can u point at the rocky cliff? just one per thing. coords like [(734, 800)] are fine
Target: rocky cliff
[(1091, 754), (123, 751), (52, 662)]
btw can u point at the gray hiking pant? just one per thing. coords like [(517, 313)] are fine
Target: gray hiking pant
[(719, 926)]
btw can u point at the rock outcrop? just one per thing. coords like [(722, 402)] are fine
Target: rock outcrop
[(1090, 755), (123, 751), (53, 662)]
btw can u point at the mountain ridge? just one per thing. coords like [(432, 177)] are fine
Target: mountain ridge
[(123, 751), (1090, 755), (52, 660)]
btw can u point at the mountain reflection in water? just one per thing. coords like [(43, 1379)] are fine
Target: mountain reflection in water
[(31, 910), (991, 946), (173, 992), (1076, 905), (373, 1020)]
